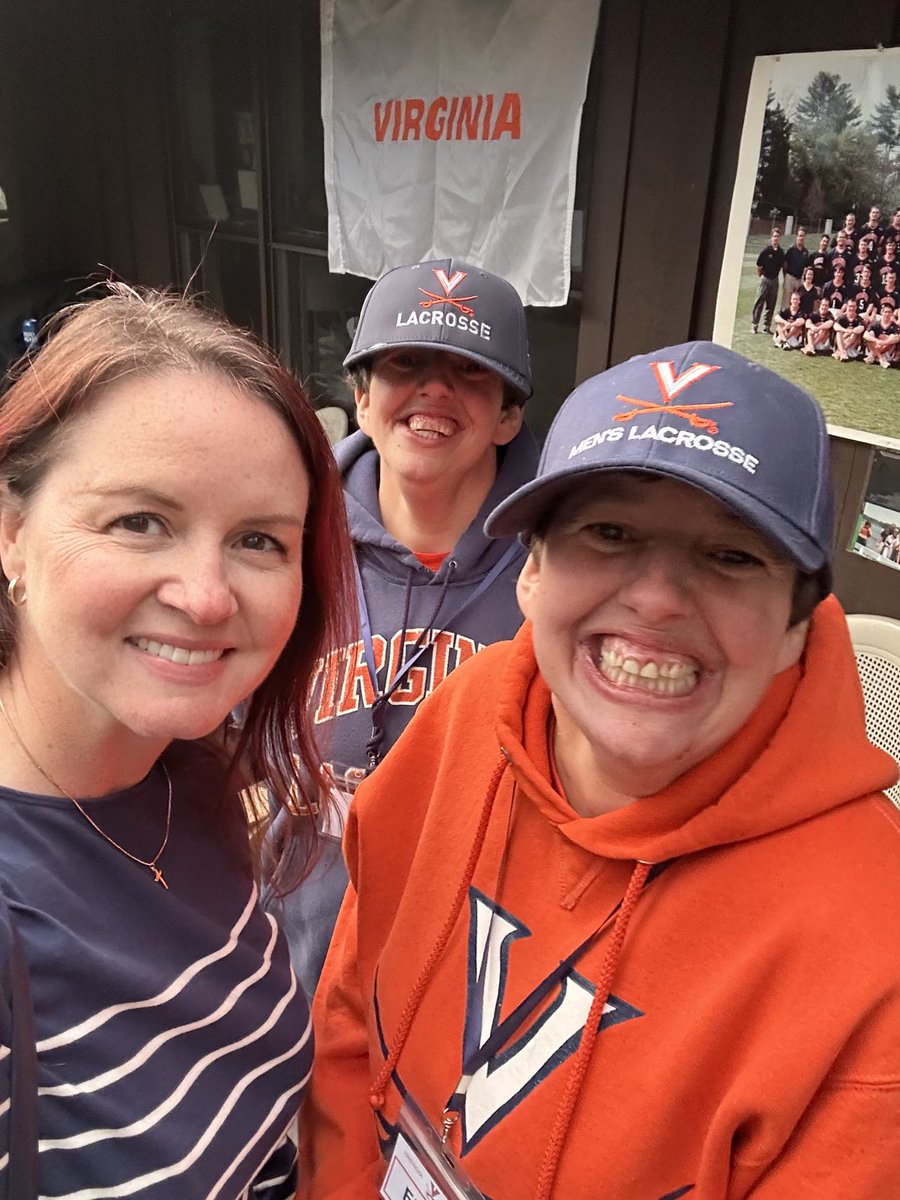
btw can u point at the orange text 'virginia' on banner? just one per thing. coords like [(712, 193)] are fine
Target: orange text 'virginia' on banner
[(471, 117)]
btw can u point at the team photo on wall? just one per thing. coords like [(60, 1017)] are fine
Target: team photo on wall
[(810, 282)]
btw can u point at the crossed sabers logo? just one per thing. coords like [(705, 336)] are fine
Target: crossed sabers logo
[(448, 284), (670, 386)]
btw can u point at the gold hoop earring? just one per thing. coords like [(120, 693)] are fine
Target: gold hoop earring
[(11, 592)]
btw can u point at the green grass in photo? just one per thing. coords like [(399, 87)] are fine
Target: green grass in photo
[(852, 394)]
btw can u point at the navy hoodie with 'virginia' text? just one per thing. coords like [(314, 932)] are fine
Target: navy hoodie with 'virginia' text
[(407, 605)]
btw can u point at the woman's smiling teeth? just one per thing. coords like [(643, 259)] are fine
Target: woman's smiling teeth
[(663, 674), (428, 423), (176, 654)]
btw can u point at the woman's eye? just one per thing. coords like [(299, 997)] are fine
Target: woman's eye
[(139, 523), (260, 542)]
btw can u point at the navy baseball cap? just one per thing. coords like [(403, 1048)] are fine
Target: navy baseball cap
[(706, 416), (447, 305)]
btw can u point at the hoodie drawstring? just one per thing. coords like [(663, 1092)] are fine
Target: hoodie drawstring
[(376, 737), (589, 1033), (376, 1096)]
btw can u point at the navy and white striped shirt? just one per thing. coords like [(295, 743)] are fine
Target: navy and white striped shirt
[(173, 1040)]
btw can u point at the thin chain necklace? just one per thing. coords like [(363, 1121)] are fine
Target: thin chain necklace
[(151, 864)]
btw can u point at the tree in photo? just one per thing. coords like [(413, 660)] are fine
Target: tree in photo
[(885, 126), (773, 174), (814, 205), (834, 158), (827, 107)]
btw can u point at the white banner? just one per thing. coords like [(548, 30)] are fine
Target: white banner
[(451, 130)]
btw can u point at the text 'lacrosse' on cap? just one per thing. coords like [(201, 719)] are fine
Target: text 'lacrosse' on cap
[(447, 305)]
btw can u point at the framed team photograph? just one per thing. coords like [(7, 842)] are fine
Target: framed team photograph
[(877, 532), (809, 285)]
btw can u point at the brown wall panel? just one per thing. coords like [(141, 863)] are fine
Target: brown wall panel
[(679, 80), (618, 47)]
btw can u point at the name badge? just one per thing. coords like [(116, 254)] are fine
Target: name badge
[(407, 1179), (421, 1166)]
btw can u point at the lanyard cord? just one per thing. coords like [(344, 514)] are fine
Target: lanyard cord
[(366, 630), (589, 1033), (404, 1024), (373, 746)]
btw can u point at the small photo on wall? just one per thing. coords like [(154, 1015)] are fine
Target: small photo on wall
[(877, 534), (810, 281)]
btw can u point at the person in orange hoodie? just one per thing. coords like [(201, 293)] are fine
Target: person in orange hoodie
[(625, 898)]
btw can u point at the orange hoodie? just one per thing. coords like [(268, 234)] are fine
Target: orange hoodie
[(749, 1044)]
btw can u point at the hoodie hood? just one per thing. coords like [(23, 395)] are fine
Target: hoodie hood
[(474, 553), (803, 752)]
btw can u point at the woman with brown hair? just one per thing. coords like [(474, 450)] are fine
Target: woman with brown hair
[(173, 542)]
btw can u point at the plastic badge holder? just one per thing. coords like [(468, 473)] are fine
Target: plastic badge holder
[(422, 1167)]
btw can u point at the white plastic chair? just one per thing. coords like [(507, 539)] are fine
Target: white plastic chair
[(876, 643)]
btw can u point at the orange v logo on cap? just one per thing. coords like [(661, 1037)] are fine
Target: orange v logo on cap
[(448, 283), (670, 386)]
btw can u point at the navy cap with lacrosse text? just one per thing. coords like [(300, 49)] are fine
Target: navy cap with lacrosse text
[(705, 416), (447, 305)]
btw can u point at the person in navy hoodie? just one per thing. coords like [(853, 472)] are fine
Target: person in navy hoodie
[(441, 371)]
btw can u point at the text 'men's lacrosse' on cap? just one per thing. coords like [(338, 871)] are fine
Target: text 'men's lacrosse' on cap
[(447, 305), (705, 416)]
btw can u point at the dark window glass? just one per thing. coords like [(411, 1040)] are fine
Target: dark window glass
[(316, 316), (553, 338), (299, 211), (216, 118), (226, 273)]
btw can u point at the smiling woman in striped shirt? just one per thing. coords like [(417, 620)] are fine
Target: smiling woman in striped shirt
[(171, 529)]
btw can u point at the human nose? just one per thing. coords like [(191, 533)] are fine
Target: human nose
[(660, 587), (436, 374), (200, 587)]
